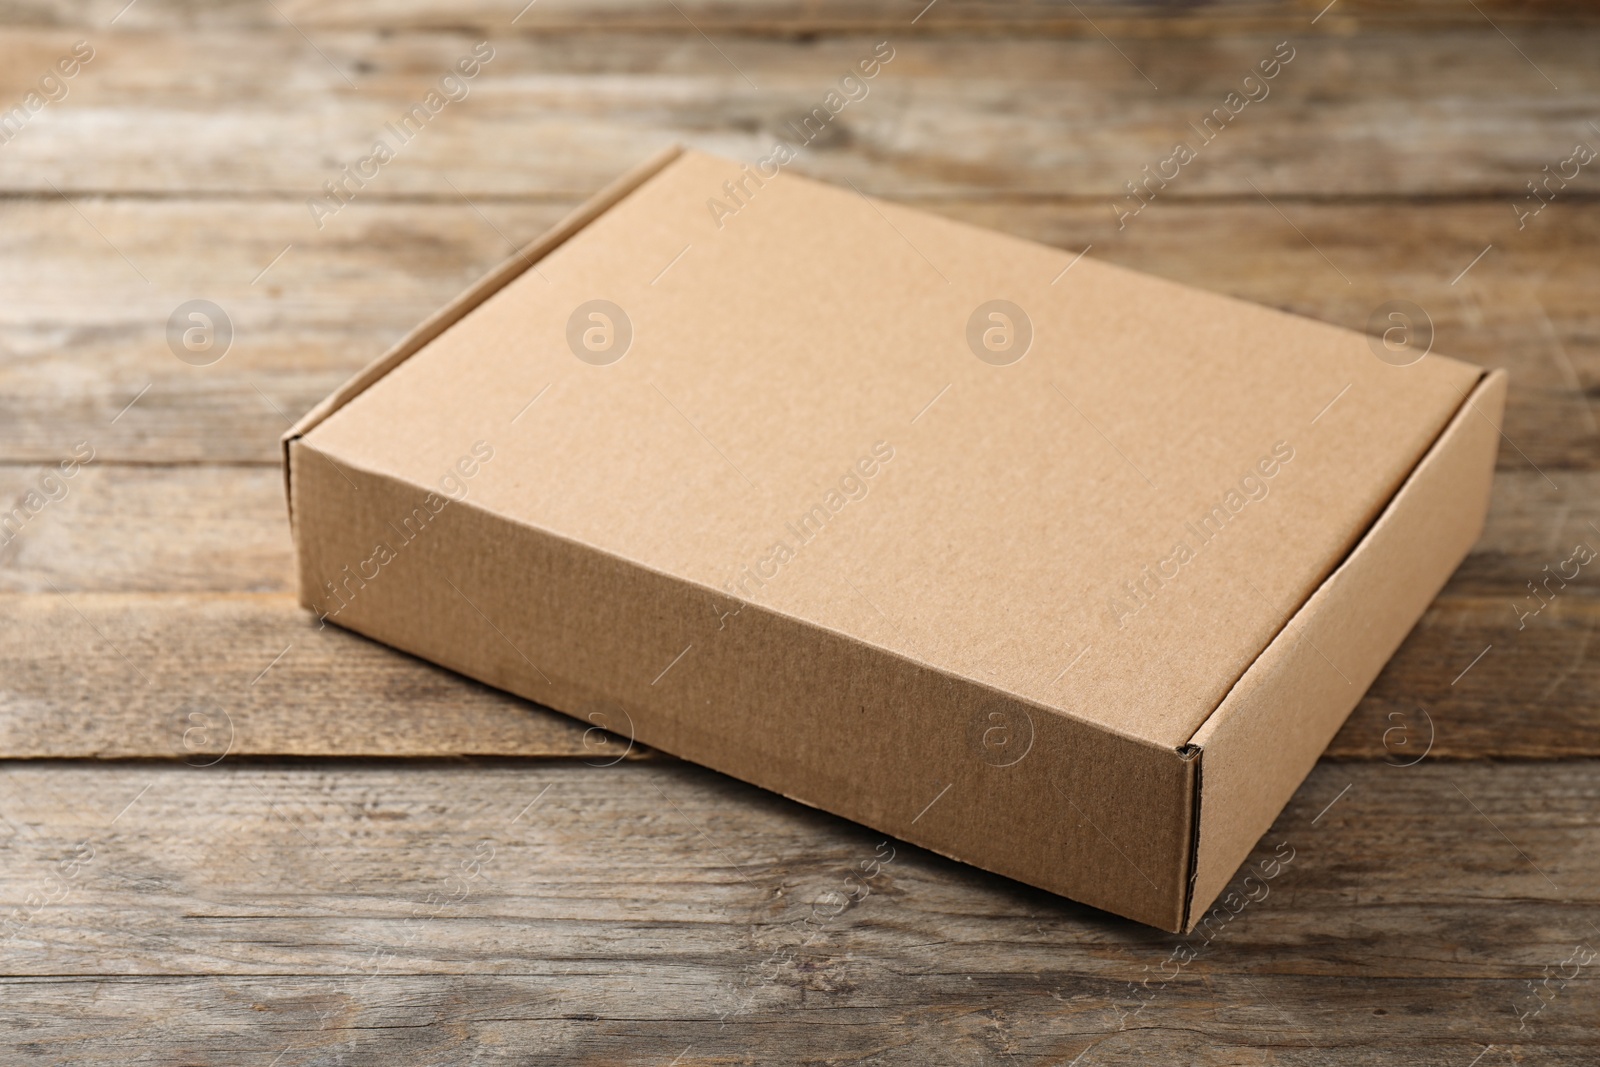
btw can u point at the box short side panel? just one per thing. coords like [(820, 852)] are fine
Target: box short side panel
[(939, 761), (1262, 741)]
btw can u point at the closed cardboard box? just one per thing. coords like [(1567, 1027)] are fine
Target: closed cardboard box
[(1045, 565)]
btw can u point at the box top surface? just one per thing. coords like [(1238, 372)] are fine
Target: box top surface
[(812, 411)]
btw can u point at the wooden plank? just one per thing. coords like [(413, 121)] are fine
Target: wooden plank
[(695, 850), (808, 18), (631, 914), (118, 676), (1467, 683), (333, 303), (216, 529), (193, 678), (147, 529), (1023, 116), (203, 531), (637, 1018), (103, 371)]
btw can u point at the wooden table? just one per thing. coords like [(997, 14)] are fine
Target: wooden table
[(230, 837)]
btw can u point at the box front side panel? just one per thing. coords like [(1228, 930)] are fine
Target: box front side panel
[(940, 761)]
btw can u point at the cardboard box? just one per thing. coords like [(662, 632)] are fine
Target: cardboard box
[(1048, 566)]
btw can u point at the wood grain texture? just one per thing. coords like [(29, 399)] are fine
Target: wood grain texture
[(114, 528), (351, 912), (1423, 115), (332, 304), (227, 836), (197, 677), (806, 19), (74, 668), (99, 575)]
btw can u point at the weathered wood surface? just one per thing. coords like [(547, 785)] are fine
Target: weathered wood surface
[(100, 575), (194, 677), (160, 692), (331, 305), (550, 913), (1425, 114), (115, 531), (808, 18), (120, 676)]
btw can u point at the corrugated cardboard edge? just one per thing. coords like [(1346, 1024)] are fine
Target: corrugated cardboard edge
[(1265, 736), (483, 289)]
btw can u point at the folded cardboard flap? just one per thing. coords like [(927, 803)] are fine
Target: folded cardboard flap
[(440, 321), (1267, 734)]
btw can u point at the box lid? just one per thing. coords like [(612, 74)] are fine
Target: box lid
[(1097, 490)]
